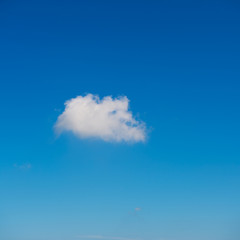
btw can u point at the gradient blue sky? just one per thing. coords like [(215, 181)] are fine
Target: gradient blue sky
[(178, 63)]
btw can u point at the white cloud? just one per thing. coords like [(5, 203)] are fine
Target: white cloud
[(24, 166), (108, 119)]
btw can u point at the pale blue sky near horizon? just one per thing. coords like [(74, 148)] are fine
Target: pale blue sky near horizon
[(178, 63)]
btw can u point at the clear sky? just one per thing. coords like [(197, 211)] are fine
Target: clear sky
[(178, 64)]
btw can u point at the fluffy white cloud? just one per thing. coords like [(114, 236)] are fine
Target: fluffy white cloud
[(108, 119)]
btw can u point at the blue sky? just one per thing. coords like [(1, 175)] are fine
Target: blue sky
[(178, 64)]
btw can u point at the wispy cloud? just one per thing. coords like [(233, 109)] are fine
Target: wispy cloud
[(24, 166), (105, 237), (108, 119), (137, 209)]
